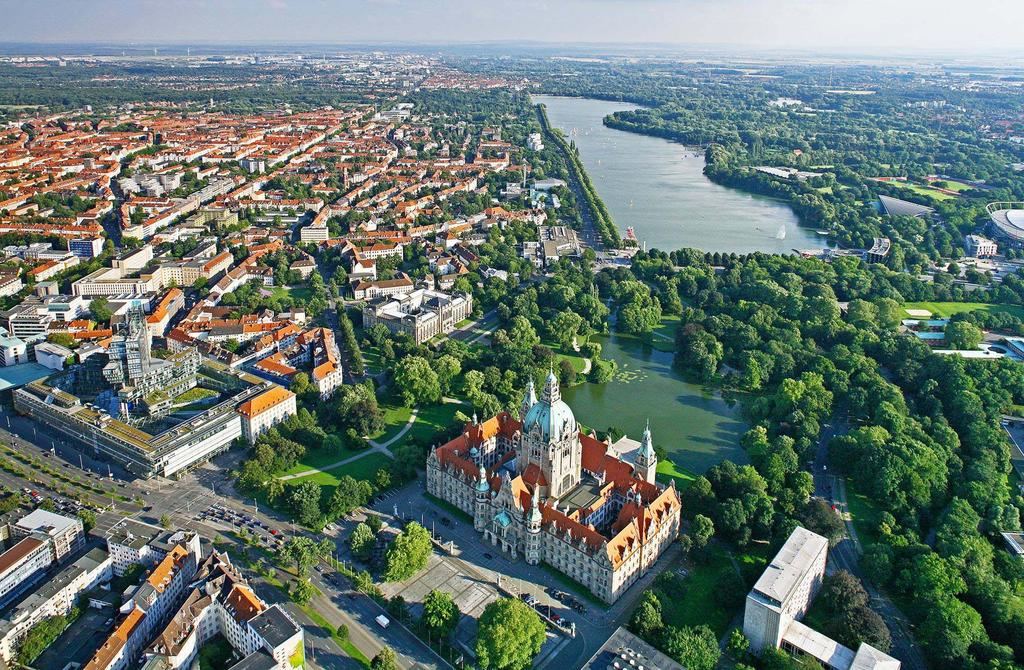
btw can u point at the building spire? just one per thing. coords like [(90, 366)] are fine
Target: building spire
[(551, 392), (481, 482), (646, 444), (529, 400), (535, 514)]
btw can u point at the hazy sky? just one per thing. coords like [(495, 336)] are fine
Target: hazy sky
[(840, 24)]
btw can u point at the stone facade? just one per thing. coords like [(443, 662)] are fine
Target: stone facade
[(421, 314), (538, 487)]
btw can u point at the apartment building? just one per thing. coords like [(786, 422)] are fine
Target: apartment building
[(10, 284), (222, 603), (22, 565), (67, 534), (148, 607), (55, 597)]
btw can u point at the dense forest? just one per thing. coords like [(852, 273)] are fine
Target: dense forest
[(916, 433)]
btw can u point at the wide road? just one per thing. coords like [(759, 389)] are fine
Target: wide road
[(846, 555)]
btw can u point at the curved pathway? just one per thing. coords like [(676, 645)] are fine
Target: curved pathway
[(381, 447)]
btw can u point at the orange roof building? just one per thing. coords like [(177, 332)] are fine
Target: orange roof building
[(261, 413), (539, 487)]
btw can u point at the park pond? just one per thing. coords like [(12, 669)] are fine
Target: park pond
[(659, 189), (696, 428)]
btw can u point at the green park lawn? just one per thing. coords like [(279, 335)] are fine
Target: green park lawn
[(924, 190), (864, 515), (432, 419), (699, 597), (578, 362), (318, 458), (668, 471), (947, 309), (956, 186), (362, 468), (752, 561), (371, 359), (298, 292), (396, 415), (663, 338)]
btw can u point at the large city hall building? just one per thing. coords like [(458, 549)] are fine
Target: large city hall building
[(540, 488)]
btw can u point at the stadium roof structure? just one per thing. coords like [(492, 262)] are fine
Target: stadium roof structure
[(1008, 219), (896, 207)]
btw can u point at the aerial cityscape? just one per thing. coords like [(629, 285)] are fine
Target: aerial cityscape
[(601, 334)]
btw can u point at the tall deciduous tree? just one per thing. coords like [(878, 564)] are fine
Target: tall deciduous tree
[(384, 660), (509, 636), (361, 541), (440, 613), (408, 553), (417, 381), (695, 647)]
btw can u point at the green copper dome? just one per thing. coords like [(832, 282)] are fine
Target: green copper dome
[(550, 415)]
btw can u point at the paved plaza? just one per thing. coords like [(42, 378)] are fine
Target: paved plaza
[(471, 569), (471, 592)]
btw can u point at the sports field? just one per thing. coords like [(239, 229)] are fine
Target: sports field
[(947, 309)]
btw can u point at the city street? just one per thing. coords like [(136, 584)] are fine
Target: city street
[(846, 554)]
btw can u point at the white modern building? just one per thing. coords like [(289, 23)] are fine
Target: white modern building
[(67, 534), (52, 355), (980, 247), (782, 596), (55, 597), (22, 565)]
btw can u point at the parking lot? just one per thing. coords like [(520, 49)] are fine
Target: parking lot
[(222, 516)]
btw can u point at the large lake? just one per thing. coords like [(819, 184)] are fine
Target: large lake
[(659, 188)]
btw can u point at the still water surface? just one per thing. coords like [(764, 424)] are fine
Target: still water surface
[(659, 188)]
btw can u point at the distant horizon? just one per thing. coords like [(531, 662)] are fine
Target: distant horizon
[(869, 27), (553, 47)]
